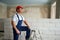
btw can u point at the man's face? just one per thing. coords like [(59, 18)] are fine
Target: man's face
[(20, 10)]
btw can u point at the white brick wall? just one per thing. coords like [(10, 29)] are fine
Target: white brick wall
[(3, 10), (49, 29)]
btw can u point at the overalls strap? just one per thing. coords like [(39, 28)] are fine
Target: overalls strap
[(18, 16)]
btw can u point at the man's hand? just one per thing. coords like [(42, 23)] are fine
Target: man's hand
[(26, 24), (18, 32), (14, 26), (28, 27)]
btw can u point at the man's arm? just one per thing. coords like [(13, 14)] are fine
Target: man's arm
[(14, 26), (26, 23)]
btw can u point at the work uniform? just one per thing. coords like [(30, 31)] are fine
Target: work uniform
[(18, 19)]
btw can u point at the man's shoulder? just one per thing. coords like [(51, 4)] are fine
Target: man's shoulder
[(14, 15)]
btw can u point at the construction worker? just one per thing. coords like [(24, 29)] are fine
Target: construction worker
[(17, 20)]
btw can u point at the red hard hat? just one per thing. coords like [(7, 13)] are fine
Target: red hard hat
[(18, 7)]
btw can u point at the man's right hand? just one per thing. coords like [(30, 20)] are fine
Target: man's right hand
[(18, 32), (14, 26)]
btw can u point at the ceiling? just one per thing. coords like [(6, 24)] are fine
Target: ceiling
[(25, 2)]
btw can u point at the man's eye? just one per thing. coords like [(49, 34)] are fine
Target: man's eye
[(21, 8)]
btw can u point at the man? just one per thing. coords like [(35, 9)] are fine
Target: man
[(17, 24)]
